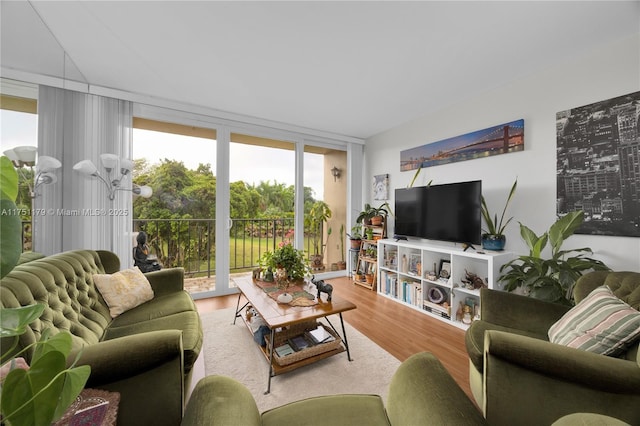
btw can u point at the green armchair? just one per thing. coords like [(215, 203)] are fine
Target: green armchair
[(517, 375)]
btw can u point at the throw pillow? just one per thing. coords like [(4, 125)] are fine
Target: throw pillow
[(600, 323), (123, 290)]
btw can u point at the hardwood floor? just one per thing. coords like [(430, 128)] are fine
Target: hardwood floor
[(400, 330)]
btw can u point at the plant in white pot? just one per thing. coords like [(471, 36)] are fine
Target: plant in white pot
[(493, 237)]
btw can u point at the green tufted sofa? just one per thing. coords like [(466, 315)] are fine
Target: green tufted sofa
[(146, 354), (516, 373)]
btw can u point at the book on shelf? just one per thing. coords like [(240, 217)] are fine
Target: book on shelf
[(320, 335), (299, 343), (284, 350)]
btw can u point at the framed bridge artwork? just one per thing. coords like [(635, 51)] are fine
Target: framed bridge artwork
[(496, 140)]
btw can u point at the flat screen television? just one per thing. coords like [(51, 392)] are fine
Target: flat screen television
[(449, 212)]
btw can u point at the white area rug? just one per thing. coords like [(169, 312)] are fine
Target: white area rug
[(229, 350)]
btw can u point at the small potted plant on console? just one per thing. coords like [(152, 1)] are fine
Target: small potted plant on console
[(494, 238)]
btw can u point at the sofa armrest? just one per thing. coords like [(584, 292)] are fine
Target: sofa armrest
[(124, 357), (166, 281), (522, 374), (422, 389), (221, 401), (519, 312), (147, 371)]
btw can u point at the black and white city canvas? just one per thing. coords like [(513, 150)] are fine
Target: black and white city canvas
[(598, 165)]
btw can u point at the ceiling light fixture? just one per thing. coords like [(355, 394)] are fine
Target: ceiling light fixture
[(120, 168)]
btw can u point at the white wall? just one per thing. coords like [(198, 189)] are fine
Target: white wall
[(605, 72)]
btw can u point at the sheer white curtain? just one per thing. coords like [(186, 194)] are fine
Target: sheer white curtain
[(76, 212)]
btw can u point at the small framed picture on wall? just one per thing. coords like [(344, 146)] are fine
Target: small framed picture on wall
[(381, 187)]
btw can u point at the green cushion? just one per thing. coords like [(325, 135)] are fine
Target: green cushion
[(600, 323), (331, 410)]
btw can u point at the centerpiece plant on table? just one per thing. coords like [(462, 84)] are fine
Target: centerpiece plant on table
[(286, 257)]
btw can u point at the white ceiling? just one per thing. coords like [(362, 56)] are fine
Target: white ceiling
[(350, 68)]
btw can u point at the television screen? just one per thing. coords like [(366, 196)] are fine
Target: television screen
[(449, 212)]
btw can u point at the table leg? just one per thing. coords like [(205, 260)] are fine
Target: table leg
[(238, 309), (344, 334), (271, 347)]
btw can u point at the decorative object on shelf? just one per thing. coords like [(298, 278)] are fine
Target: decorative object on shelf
[(405, 264), (493, 238), (445, 269), (436, 295), (472, 281), (45, 166), (381, 187), (323, 287), (113, 164), (466, 317), (501, 139), (314, 220), (336, 172), (550, 279)]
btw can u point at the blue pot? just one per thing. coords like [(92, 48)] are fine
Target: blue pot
[(493, 242)]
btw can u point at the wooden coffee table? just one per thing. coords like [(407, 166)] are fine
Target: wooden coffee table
[(278, 315)]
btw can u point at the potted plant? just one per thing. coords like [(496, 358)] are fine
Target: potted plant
[(493, 238), (374, 215), (355, 236), (342, 264), (550, 279), (318, 214), (288, 258), (42, 393)]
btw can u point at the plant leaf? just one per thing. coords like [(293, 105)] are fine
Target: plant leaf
[(60, 342), (74, 381), (563, 228), (10, 236), (14, 321), (8, 180)]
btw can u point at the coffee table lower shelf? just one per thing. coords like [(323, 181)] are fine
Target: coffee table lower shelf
[(281, 369)]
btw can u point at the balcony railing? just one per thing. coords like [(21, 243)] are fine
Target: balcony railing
[(191, 243)]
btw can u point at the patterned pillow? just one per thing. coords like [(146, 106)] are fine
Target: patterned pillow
[(600, 323), (123, 290)]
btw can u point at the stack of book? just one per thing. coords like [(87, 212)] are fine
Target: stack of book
[(320, 335)]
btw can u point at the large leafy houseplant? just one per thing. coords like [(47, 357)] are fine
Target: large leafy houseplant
[(287, 257), (41, 394), (550, 279)]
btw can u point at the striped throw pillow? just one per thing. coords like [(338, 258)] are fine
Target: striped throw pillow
[(600, 323)]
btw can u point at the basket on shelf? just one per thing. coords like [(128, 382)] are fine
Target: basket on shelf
[(294, 330)]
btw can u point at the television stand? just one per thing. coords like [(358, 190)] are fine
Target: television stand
[(434, 280)]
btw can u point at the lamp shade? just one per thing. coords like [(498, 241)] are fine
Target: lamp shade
[(143, 191), (126, 166), (86, 167), (109, 161), (26, 154), (46, 164), (11, 155)]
